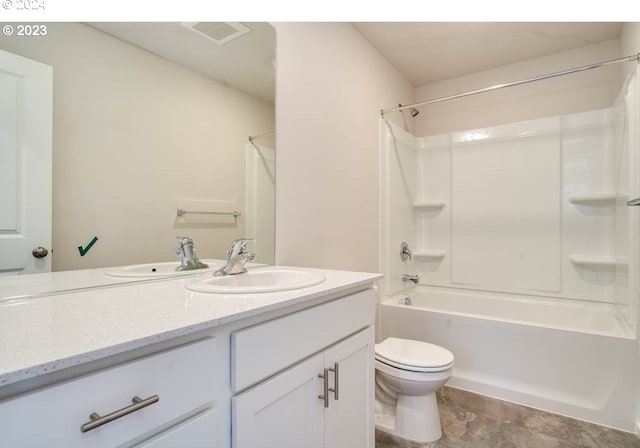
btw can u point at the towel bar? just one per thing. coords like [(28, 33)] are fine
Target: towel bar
[(235, 213)]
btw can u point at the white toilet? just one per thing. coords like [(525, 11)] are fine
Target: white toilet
[(408, 373)]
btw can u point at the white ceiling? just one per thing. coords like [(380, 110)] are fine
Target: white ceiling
[(424, 52), (428, 52), (246, 63)]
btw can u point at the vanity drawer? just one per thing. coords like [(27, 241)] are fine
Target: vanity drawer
[(182, 379), (200, 431), (262, 350)]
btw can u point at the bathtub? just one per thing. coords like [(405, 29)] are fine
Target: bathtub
[(568, 357)]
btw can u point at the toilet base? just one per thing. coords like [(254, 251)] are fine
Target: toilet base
[(416, 418)]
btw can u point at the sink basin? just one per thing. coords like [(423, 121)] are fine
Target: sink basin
[(256, 281), (159, 270)]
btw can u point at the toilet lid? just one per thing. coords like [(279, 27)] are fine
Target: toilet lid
[(410, 353)]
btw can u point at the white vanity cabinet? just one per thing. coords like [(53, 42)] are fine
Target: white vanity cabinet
[(176, 392), (321, 390), (201, 371)]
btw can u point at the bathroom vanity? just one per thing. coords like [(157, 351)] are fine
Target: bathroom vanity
[(155, 364)]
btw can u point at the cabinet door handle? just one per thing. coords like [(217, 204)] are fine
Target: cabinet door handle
[(336, 376), (325, 387), (98, 420)]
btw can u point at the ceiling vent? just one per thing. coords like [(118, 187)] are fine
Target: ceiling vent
[(219, 32)]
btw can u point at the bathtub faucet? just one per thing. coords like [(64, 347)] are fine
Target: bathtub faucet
[(187, 253), (410, 278), (405, 252), (237, 257)]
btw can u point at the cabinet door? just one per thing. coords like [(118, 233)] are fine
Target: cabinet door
[(349, 419), (283, 412)]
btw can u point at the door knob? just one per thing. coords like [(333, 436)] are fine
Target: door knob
[(40, 252)]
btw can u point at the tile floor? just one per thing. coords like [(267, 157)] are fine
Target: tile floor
[(475, 421)]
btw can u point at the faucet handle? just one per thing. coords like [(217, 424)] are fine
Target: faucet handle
[(182, 240), (236, 258), (405, 252), (240, 244)]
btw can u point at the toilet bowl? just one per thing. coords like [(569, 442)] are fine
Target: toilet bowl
[(408, 373)]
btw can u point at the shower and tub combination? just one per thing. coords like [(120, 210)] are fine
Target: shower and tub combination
[(524, 246)]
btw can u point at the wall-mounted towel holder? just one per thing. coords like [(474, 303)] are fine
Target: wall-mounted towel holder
[(235, 213)]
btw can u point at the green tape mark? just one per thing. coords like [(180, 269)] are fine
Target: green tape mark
[(83, 251)]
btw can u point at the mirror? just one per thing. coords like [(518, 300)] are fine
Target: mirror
[(149, 119)]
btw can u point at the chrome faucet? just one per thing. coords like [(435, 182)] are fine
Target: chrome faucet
[(237, 257), (187, 254), (405, 254)]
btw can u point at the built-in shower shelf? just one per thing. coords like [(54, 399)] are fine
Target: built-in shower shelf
[(429, 205), (592, 198), (598, 261), (430, 254)]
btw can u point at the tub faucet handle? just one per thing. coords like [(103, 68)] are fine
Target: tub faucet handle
[(405, 252)]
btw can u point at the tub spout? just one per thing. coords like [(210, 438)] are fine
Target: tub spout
[(410, 278)]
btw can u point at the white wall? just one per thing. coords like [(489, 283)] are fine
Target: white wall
[(135, 137), (629, 43), (331, 86), (590, 90)]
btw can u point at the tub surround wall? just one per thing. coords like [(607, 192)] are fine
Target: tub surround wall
[(630, 43), (528, 208), (531, 208), (398, 177), (627, 177)]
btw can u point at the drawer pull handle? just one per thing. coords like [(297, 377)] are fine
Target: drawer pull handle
[(98, 420), (325, 387), (336, 375)]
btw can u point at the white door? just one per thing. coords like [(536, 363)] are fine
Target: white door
[(283, 412), (349, 419), (25, 164)]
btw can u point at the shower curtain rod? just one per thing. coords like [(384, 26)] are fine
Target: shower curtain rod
[(265, 134), (631, 58)]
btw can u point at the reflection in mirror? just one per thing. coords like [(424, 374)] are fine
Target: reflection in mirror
[(147, 119)]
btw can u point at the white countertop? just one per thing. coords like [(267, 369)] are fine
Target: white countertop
[(42, 334)]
